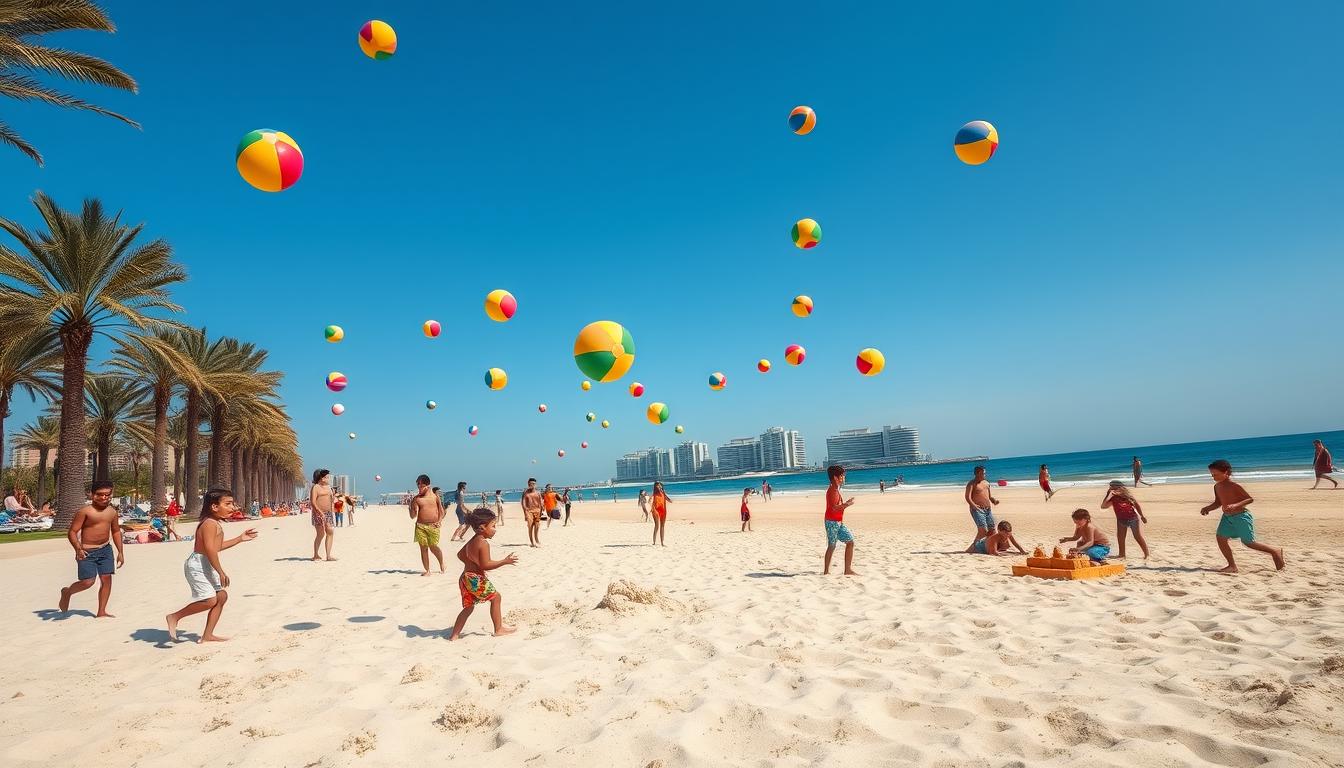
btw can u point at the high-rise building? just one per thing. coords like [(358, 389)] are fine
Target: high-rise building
[(900, 443), (692, 458), (650, 464), (782, 449), (628, 467), (342, 484), (862, 446), (22, 457), (741, 454)]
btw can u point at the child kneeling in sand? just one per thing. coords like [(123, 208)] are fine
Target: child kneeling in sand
[(1092, 543), (473, 584), (996, 543), (205, 575)]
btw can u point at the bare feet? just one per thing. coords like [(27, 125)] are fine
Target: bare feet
[(212, 639), (851, 573), (1279, 561), (104, 615), (454, 636), (1228, 569), (65, 599), (172, 626), (331, 559), (505, 630), (316, 558), (426, 573)]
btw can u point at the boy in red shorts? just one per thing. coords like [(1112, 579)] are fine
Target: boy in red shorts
[(473, 584)]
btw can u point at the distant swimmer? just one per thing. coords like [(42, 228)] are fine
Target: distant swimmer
[(1138, 474), (1323, 464), (1044, 479)]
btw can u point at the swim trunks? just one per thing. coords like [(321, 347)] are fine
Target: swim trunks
[(427, 535), (201, 577), (97, 562), (1045, 486), (320, 519), (745, 513), (1238, 526), (533, 515), (1097, 552), (1132, 523), (475, 588), (837, 532), (981, 547), (983, 517), (461, 517)]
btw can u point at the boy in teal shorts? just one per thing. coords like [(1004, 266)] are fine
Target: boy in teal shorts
[(1236, 522), (836, 531)]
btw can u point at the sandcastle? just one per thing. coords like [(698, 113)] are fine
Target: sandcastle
[(1057, 566)]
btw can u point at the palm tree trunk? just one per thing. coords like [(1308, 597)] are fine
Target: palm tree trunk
[(70, 491), (177, 475), (158, 484), (221, 458), (191, 462), (4, 414), (104, 458), (42, 455)]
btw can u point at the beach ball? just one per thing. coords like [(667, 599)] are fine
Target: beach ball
[(763, 365), (583, 445), (560, 453), (269, 160), (794, 354), (591, 416), (802, 120), (802, 306), (657, 413), (717, 381), (542, 408), (334, 333), (336, 381), (605, 424), (870, 362), (500, 305), (1003, 483), (432, 329), (806, 233), (377, 40), (586, 385), (431, 405), (636, 389), (352, 435), (496, 378), (337, 409), (976, 142), (680, 429), (473, 430), (604, 351), (377, 478)]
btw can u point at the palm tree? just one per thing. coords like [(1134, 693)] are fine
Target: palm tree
[(244, 379), (177, 438), (84, 275), (110, 400), (43, 436), (29, 362), (21, 21)]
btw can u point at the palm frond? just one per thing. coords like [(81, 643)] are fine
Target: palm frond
[(25, 88), (11, 137), (72, 65)]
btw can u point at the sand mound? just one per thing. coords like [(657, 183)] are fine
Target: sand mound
[(465, 717), (415, 674), (624, 598), (359, 743)]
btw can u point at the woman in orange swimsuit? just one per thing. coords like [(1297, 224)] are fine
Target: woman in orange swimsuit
[(660, 500)]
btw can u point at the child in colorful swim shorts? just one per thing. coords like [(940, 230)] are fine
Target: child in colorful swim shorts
[(1091, 542), (745, 511), (1128, 515), (473, 584), (1236, 522), (835, 521), (996, 543)]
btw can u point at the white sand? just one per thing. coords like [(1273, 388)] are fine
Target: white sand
[(734, 650)]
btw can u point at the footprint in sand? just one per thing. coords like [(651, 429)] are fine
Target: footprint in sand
[(1175, 592)]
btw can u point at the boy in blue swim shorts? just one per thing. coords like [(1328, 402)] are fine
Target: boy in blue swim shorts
[(1092, 542), (1236, 522), (835, 521)]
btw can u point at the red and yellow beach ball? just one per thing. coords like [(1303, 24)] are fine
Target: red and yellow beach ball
[(802, 120), (657, 413), (269, 160), (802, 306), (806, 233), (604, 350), (431, 329), (377, 40), (976, 142), (870, 362), (794, 354), (336, 381), (717, 381), (636, 389), (763, 365), (500, 305)]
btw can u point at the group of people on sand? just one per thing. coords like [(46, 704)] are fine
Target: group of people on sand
[(19, 508)]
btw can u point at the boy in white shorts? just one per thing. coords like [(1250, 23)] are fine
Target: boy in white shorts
[(205, 576)]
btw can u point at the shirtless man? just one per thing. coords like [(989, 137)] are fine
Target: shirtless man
[(93, 533), (981, 499), (1138, 473), (323, 517), (1323, 464), (532, 512), (427, 512)]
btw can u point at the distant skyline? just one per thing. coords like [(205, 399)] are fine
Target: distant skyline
[(1151, 257)]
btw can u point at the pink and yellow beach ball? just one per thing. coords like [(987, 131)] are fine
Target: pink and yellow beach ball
[(657, 413), (497, 379), (717, 381), (870, 362), (795, 354), (336, 381), (806, 233), (802, 120), (377, 40), (976, 142), (763, 365), (269, 160), (500, 305), (802, 305), (636, 389)]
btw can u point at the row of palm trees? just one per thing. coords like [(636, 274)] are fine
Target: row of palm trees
[(85, 273)]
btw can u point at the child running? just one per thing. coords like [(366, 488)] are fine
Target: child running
[(1236, 522), (660, 500), (1091, 542), (835, 521), (1044, 479), (1128, 515), (746, 513), (205, 575), (473, 584), (996, 543), (93, 533), (426, 509)]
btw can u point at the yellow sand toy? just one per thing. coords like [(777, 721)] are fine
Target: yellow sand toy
[(1056, 566)]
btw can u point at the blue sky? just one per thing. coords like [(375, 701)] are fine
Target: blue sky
[(1152, 256)]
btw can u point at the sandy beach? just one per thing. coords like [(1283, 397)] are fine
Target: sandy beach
[(724, 649)]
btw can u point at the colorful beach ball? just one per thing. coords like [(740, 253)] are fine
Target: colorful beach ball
[(334, 333), (586, 385), (431, 405), (336, 381), (763, 365), (500, 305), (802, 306), (1003, 483), (604, 351), (605, 424), (806, 233), (377, 40), (560, 453), (591, 416), (680, 429), (269, 160), (717, 381), (636, 389), (352, 435), (802, 120), (432, 329), (657, 413), (377, 478), (794, 354), (976, 142), (870, 362), (542, 408), (583, 445), (496, 378), (337, 409), (473, 430)]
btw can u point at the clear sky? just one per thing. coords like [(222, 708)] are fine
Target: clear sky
[(1153, 255)]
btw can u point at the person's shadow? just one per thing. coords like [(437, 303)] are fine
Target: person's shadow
[(413, 631), (774, 575), (55, 614), (293, 559), (402, 571), (159, 638)]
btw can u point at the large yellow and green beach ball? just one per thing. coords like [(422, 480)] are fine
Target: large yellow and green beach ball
[(496, 378), (976, 142), (806, 233), (604, 350), (377, 40), (657, 413), (269, 160)]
